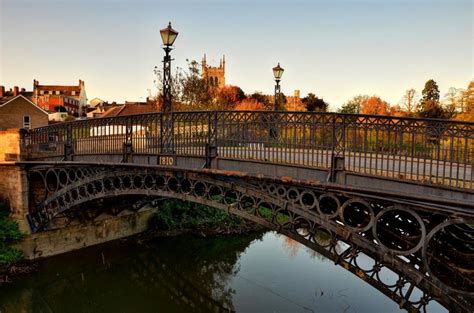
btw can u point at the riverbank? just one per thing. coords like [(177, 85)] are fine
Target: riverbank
[(173, 218)]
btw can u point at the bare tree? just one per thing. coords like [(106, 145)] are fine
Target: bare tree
[(409, 101), (454, 100)]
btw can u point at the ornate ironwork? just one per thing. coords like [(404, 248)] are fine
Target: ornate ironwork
[(418, 253), (167, 96), (427, 151)]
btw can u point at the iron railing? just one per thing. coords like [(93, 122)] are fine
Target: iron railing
[(430, 151)]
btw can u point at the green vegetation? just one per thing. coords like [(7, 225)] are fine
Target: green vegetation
[(176, 214), (9, 234)]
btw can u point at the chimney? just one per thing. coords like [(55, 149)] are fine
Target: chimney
[(15, 91), (2, 91), (35, 83), (22, 90)]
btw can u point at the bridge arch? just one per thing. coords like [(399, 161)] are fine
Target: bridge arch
[(343, 226)]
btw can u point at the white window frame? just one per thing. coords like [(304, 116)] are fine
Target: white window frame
[(26, 125)]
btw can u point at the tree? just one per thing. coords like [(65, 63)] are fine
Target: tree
[(176, 86), (468, 104), (187, 87), (195, 91), (454, 101), (60, 108), (250, 104), (468, 96), (429, 106), (409, 101), (265, 100), (314, 104), (228, 97), (295, 105), (353, 105), (375, 105)]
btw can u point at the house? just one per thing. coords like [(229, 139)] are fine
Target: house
[(95, 102), (95, 112), (20, 112), (72, 98)]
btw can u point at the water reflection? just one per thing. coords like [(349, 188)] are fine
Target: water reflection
[(255, 273)]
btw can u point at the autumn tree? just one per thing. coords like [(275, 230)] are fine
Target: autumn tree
[(314, 104), (261, 98), (468, 104), (295, 105), (409, 101), (375, 105), (468, 96), (354, 105), (251, 104), (226, 98)]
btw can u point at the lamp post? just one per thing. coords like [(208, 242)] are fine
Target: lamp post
[(168, 36), (277, 73)]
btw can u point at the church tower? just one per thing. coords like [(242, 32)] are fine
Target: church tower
[(214, 75)]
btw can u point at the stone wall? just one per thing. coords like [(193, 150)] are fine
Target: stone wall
[(14, 191), (102, 229), (9, 145)]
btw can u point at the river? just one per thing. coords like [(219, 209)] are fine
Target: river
[(264, 272)]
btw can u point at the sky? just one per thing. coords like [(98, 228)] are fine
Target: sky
[(335, 49)]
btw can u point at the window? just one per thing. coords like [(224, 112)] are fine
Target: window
[(50, 92), (73, 93), (26, 122), (41, 92), (57, 92)]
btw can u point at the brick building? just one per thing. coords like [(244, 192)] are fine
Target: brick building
[(213, 75), (72, 98), (20, 112)]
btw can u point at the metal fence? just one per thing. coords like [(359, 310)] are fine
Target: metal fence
[(422, 150)]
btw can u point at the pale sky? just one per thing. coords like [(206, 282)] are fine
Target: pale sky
[(335, 49)]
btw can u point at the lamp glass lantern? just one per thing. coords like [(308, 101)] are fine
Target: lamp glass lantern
[(168, 35), (278, 71)]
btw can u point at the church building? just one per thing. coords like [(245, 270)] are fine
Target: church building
[(214, 76)]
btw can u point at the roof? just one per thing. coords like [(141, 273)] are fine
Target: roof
[(66, 90), (8, 97), (129, 109), (21, 96), (58, 87)]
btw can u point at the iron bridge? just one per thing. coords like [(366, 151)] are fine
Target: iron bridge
[(390, 199)]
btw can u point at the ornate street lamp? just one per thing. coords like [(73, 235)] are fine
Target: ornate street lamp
[(277, 73), (168, 36)]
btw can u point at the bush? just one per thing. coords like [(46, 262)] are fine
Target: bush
[(176, 214), (9, 235)]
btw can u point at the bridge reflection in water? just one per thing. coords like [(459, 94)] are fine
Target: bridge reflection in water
[(396, 190)]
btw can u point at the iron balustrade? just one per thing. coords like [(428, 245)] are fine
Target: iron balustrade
[(428, 151)]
